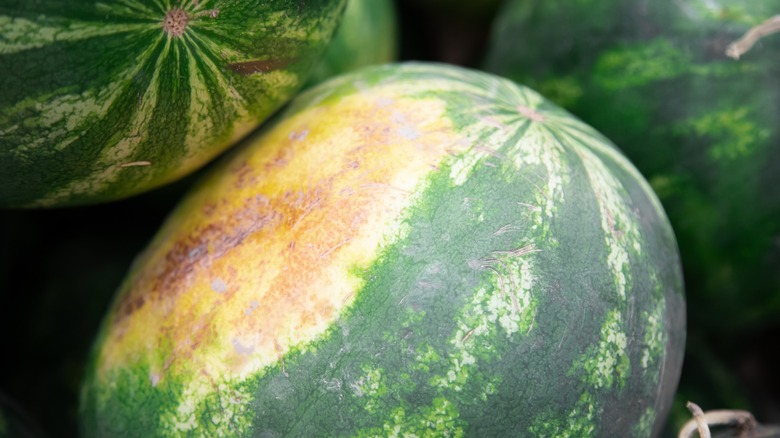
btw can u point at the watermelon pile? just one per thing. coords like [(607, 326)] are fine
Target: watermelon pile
[(374, 218)]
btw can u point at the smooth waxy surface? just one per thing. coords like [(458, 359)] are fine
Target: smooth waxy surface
[(100, 101), (412, 249)]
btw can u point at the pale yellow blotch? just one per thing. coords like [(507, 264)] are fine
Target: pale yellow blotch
[(281, 228)]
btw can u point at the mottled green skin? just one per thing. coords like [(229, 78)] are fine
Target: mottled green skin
[(653, 76), (403, 358), (90, 87), (367, 35)]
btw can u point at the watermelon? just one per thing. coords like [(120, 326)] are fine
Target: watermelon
[(367, 35), (104, 100), (657, 78), (412, 249)]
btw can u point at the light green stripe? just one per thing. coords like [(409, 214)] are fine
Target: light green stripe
[(18, 34), (201, 124), (210, 69), (604, 148), (77, 110)]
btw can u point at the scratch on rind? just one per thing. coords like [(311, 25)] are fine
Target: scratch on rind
[(337, 246), (506, 229), (490, 151), (136, 164), (531, 206), (279, 355), (566, 331), (519, 251), (501, 287), (308, 209), (247, 68), (467, 335), (369, 186), (347, 297), (213, 13)]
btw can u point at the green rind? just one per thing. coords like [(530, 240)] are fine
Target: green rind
[(702, 127), (90, 87), (436, 343), (367, 35)]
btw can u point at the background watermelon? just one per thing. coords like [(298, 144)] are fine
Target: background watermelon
[(105, 100), (413, 249), (654, 77), (367, 35)]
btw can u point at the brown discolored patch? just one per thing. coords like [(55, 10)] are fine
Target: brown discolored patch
[(197, 251), (286, 257), (279, 160), (247, 68)]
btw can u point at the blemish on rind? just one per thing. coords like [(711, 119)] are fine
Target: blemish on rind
[(252, 306), (242, 349), (218, 286), (212, 13), (530, 113), (175, 22), (247, 68), (136, 164), (408, 132), (299, 135)]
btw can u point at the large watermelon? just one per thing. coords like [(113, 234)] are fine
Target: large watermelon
[(103, 100), (411, 250), (655, 77)]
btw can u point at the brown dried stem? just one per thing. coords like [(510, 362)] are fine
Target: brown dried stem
[(701, 421), (742, 45)]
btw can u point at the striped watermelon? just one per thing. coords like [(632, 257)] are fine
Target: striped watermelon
[(658, 78), (411, 250), (103, 100), (367, 35)]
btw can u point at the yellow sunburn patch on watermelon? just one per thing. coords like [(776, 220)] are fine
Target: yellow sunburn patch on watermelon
[(278, 238)]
